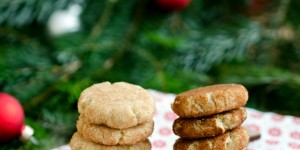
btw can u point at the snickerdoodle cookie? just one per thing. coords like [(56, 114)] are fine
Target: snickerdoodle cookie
[(109, 136), (236, 139), (117, 105), (209, 100), (79, 143), (191, 128)]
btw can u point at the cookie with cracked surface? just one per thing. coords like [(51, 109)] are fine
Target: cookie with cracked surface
[(209, 100), (109, 136), (209, 126), (236, 139), (79, 143), (119, 105)]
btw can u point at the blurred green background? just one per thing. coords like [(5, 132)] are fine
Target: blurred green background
[(50, 52)]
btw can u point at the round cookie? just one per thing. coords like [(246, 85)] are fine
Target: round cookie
[(119, 105), (191, 128), (109, 136), (236, 139), (210, 100), (79, 143)]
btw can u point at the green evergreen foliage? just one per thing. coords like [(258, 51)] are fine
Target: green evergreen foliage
[(209, 42)]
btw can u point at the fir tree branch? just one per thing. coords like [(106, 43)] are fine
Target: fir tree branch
[(98, 27), (108, 64), (22, 38), (280, 18), (96, 32), (40, 98), (127, 43), (103, 20), (153, 61), (282, 11), (67, 70)]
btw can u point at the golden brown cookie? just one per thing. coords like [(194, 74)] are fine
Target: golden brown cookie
[(209, 126), (236, 139), (119, 105), (109, 136), (79, 143), (210, 100)]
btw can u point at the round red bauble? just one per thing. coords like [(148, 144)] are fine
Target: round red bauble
[(173, 5), (11, 117)]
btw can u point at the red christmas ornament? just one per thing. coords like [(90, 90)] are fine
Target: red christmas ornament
[(11, 117), (173, 5)]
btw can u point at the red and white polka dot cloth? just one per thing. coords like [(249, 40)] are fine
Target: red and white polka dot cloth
[(278, 132)]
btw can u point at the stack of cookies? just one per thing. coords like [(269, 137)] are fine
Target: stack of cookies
[(114, 116), (210, 118)]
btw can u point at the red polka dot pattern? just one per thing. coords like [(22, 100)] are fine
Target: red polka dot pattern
[(296, 121), (165, 131), (253, 127), (272, 142), (295, 135), (159, 143), (277, 118), (170, 116), (277, 131), (256, 115), (274, 132), (294, 145)]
